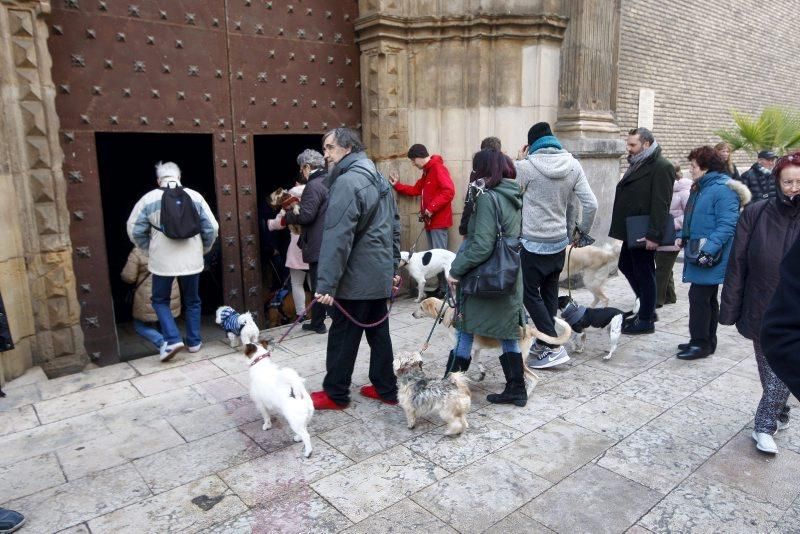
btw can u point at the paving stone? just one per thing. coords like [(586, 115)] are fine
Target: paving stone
[(701, 505), (18, 419), (518, 523), (29, 476), (483, 436), (594, 500), (19, 396), (481, 494), (77, 529), (556, 449), (31, 376), (704, 369), (232, 363), (185, 375), (86, 380), (49, 438), (548, 401), (584, 383), (702, 422), (118, 448), (378, 482), (771, 478), (85, 401), (365, 437), (654, 458), (660, 387), (733, 391), (626, 361), (171, 468), (151, 364), (525, 419), (613, 414), (80, 500), (301, 512), (746, 368), (405, 516), (280, 435), (215, 418), (222, 389), (142, 411), (193, 507), (275, 474), (789, 521)]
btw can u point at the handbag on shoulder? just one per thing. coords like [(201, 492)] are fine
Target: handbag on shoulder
[(497, 276)]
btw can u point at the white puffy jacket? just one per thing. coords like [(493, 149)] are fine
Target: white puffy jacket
[(171, 257)]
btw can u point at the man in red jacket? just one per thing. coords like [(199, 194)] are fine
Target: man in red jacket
[(436, 190)]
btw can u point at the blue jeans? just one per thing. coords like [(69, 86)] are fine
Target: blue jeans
[(464, 345), (148, 332), (162, 289)]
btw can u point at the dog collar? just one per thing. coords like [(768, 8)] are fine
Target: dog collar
[(265, 355)]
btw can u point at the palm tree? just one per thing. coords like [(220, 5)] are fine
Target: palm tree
[(775, 129)]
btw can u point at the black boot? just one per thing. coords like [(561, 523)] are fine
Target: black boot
[(514, 392), (456, 365)]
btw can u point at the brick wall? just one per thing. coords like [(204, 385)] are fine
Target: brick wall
[(700, 70)]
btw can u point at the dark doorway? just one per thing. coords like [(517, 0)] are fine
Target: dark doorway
[(126, 166), (276, 166)]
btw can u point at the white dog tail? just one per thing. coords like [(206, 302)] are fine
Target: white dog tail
[(461, 382), (297, 387)]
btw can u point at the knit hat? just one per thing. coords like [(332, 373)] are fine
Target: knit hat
[(417, 151), (540, 129)]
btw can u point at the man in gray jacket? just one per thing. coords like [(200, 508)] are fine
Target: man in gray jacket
[(357, 264), (551, 178)]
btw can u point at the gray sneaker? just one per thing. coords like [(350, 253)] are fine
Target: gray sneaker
[(536, 350), (549, 358)]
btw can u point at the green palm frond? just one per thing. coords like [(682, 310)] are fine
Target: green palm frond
[(776, 128)]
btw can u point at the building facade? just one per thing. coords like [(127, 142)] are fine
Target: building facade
[(95, 92)]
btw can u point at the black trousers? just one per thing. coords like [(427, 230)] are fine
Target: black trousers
[(639, 267), (319, 311), (540, 274), (703, 314), (344, 338)]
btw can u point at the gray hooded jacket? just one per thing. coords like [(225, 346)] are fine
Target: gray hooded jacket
[(550, 179), (361, 241)]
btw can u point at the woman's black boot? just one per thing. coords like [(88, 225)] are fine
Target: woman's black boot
[(514, 392)]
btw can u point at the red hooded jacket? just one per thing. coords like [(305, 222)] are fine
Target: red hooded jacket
[(436, 190)]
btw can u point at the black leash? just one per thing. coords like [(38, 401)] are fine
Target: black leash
[(438, 320), (414, 246)]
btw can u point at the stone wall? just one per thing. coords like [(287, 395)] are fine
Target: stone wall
[(36, 276), (704, 59)]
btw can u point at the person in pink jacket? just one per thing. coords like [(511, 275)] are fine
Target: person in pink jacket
[(298, 269), (666, 255)]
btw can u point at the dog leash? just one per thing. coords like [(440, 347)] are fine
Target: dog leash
[(414, 246), (437, 320), (569, 276)]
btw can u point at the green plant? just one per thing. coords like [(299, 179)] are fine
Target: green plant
[(776, 129)]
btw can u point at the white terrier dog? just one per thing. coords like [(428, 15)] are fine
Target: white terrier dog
[(420, 396), (426, 264), (280, 389), (241, 328)]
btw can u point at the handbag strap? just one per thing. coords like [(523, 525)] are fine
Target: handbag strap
[(500, 230), (142, 281)]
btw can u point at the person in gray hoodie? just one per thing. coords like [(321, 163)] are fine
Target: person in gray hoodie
[(551, 179)]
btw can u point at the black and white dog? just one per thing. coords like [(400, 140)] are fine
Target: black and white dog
[(580, 318), (426, 264)]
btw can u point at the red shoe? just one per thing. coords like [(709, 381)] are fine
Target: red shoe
[(370, 391), (322, 401)]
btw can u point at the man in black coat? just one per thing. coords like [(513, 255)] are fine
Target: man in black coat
[(780, 328), (758, 178), (645, 189), (313, 205)]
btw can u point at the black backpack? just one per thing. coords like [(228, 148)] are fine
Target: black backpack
[(179, 218)]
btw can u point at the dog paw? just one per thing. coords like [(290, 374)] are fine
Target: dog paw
[(411, 427), (579, 350), (307, 452), (266, 426), (297, 438)]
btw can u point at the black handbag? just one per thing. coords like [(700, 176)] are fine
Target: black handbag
[(497, 276), (693, 247)]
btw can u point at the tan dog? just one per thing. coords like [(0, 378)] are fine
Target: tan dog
[(430, 308), (594, 264), (282, 199)]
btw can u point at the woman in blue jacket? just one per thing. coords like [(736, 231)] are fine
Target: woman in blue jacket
[(709, 224)]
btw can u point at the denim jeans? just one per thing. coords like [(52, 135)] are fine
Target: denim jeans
[(162, 290), (464, 345), (148, 332)]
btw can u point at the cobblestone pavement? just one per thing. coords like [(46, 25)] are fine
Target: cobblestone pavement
[(641, 443)]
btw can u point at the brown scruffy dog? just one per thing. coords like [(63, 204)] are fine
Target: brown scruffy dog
[(282, 199), (420, 396)]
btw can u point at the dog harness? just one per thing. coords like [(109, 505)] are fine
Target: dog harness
[(230, 321)]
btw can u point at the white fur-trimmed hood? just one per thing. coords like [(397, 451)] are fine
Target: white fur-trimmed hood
[(745, 196)]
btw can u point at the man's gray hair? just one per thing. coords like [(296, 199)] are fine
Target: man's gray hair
[(168, 170), (645, 135), (346, 138), (312, 158)]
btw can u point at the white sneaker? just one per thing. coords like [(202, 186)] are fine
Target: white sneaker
[(549, 358), (765, 443), (168, 351), (195, 348)]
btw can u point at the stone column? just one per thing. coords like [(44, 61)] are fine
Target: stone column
[(36, 276), (448, 74), (586, 122)]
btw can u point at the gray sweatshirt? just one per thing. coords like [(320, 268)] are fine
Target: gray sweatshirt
[(550, 179)]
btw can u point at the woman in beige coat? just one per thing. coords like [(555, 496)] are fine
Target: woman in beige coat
[(136, 272)]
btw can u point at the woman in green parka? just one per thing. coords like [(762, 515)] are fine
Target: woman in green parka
[(498, 318)]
